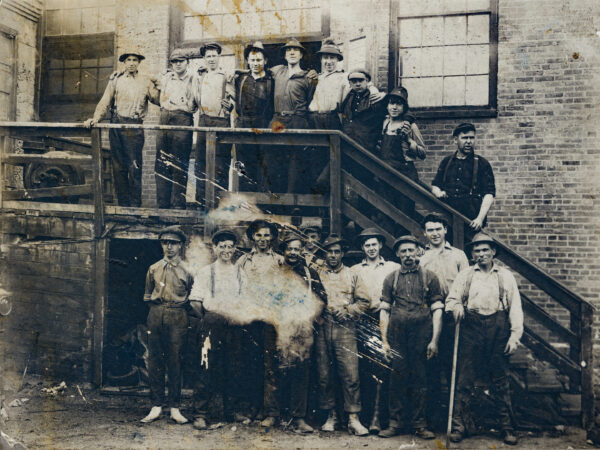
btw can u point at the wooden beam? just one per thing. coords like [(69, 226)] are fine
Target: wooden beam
[(100, 303), (335, 184), (458, 232), (97, 186), (287, 139), (265, 198), (353, 214), (35, 131), (542, 317), (41, 207), (3, 152), (71, 146), (587, 366), (211, 152), (60, 191), (64, 158)]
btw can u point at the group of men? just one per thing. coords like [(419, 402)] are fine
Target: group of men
[(381, 330)]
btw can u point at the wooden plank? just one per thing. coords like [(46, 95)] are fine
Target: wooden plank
[(335, 185), (3, 151), (61, 191), (211, 151), (41, 207), (100, 294), (45, 158), (458, 232), (54, 285), (265, 198), (353, 214), (39, 268), (46, 226), (541, 316), (587, 366), (173, 214), (283, 138), (98, 190), (383, 205), (72, 146)]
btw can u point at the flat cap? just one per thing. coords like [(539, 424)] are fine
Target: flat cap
[(369, 233), (210, 46), (400, 93), (463, 128), (178, 55), (174, 230), (131, 52), (333, 239), (359, 73), (261, 223), (310, 228), (288, 237), (407, 238), (224, 235)]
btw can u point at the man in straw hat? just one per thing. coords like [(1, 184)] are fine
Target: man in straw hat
[(485, 297), (126, 98), (168, 285), (347, 300), (411, 319)]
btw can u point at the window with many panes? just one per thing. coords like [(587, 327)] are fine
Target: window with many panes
[(447, 55)]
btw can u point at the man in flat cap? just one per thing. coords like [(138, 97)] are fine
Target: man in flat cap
[(374, 376), (446, 262), (485, 297), (173, 147), (465, 180), (294, 372), (293, 93), (168, 286), (411, 319), (311, 251), (126, 98), (212, 92), (254, 97), (362, 116), (336, 346)]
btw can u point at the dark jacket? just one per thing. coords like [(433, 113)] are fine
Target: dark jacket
[(361, 119)]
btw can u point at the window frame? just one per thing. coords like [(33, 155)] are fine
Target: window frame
[(435, 112)]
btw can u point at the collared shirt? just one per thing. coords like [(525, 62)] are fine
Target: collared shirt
[(217, 284), (459, 176), (484, 295), (209, 88), (344, 287), (128, 94), (292, 93), (176, 92), (332, 88), (254, 96), (168, 281), (256, 263), (373, 276), (446, 262), (362, 119), (413, 290)]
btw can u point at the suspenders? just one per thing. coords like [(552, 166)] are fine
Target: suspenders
[(501, 291), (475, 173)]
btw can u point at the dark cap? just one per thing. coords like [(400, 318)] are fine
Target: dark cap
[(293, 43), (179, 55), (463, 128), (288, 237), (481, 238), (434, 217), (131, 52), (224, 235), (355, 74), (261, 223), (333, 239), (311, 229), (400, 93), (174, 230), (369, 233), (210, 46), (328, 47), (256, 47), (403, 239)]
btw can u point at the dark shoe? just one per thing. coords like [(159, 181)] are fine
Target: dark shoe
[(456, 436), (424, 433), (510, 438), (389, 432), (199, 423)]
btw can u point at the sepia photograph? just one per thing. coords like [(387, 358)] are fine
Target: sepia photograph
[(299, 224)]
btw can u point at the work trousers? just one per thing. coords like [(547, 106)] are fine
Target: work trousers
[(283, 380), (126, 157), (167, 336), (409, 333), (293, 161), (222, 159), (253, 158), (481, 356), (248, 351), (468, 205), (336, 348), (172, 159), (320, 160)]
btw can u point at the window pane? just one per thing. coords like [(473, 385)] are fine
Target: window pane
[(432, 61), (103, 77), (72, 21), (455, 60), (89, 20), (106, 19), (70, 63), (53, 22), (410, 32), (54, 81), (89, 81), (478, 29), (71, 81), (477, 90), (55, 64), (455, 30), (411, 62), (192, 28), (454, 91), (214, 7), (290, 21), (433, 31), (478, 5), (454, 6), (478, 59), (89, 62), (212, 27), (106, 62), (270, 24), (412, 7), (230, 23), (357, 53), (424, 91)]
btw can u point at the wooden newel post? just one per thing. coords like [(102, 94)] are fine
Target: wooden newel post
[(97, 188), (3, 151), (458, 232), (211, 152), (335, 189), (587, 366)]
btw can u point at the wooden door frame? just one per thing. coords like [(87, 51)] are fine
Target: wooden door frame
[(13, 34)]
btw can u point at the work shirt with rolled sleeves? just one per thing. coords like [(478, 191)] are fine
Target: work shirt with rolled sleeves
[(209, 88), (345, 290), (168, 282), (293, 93), (128, 94), (456, 178), (446, 262), (217, 283), (254, 97), (373, 276), (484, 295), (332, 88), (256, 263), (176, 91), (415, 291)]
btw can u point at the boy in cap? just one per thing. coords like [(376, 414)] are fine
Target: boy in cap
[(312, 251), (486, 298), (212, 94), (168, 285), (410, 319), (465, 180), (347, 299), (126, 98), (173, 147)]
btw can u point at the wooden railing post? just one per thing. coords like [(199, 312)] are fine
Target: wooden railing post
[(458, 232), (97, 183), (587, 366), (335, 188), (3, 151), (211, 152), (233, 173)]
